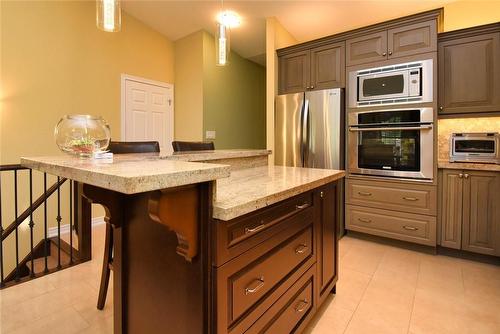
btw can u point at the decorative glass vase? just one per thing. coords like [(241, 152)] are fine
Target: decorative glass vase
[(82, 135)]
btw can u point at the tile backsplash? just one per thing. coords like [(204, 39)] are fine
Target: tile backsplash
[(448, 126)]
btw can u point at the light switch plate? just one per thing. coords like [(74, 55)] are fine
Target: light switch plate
[(210, 134)]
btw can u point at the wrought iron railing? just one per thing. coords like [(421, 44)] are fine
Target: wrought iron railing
[(41, 248)]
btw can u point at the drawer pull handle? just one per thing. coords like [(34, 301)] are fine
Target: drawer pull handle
[(301, 249), (413, 199), (301, 306), (410, 228), (260, 284), (363, 193), (257, 228), (365, 220), (301, 206)]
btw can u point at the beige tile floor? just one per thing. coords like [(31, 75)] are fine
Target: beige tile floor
[(382, 289)]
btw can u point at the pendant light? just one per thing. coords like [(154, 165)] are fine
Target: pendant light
[(108, 15), (225, 21)]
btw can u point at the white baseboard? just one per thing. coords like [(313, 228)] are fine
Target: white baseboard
[(52, 232)]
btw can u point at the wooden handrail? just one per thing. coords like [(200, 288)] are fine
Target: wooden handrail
[(4, 168), (26, 213)]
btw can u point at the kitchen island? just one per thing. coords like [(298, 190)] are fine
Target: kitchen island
[(199, 248)]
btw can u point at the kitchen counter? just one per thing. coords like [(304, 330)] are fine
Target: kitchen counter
[(216, 155), (128, 173), (445, 164), (254, 188)]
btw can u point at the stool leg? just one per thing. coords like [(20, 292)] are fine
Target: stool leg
[(106, 263)]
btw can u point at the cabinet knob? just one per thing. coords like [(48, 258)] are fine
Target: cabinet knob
[(321, 194), (312, 87), (390, 53), (384, 54), (466, 176), (441, 108), (460, 175)]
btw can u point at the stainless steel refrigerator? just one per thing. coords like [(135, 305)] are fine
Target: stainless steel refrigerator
[(309, 132)]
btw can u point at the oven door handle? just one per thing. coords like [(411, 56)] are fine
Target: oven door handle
[(424, 127)]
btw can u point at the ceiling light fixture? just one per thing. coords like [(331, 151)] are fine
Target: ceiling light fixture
[(225, 21), (108, 15)]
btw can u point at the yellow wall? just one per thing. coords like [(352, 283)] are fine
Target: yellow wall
[(189, 88), (54, 61), (276, 37), (464, 14)]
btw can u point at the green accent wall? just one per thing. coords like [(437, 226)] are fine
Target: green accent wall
[(234, 100)]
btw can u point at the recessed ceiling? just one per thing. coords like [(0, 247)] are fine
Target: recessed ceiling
[(305, 20)]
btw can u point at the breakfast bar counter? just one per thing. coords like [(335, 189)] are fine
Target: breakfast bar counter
[(204, 248)]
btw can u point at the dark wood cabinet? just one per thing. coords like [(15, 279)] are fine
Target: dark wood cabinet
[(470, 214), (318, 68), (294, 72), (327, 219), (401, 41), (469, 70)]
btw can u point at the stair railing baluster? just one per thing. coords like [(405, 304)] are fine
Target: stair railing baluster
[(16, 230), (1, 240), (70, 222), (58, 225), (45, 237), (31, 225)]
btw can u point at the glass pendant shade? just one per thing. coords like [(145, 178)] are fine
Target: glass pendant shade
[(222, 45), (108, 15)]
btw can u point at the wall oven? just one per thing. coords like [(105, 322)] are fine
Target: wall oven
[(392, 143), (394, 84)]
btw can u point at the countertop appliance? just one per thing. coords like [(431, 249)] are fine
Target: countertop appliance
[(309, 129), (392, 143), (401, 83), (475, 147), (309, 132)]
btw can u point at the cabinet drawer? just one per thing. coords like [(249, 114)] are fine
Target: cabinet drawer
[(291, 310), (415, 198), (397, 225), (252, 283), (238, 235)]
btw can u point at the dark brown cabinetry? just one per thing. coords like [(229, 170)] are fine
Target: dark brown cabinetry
[(470, 213), (272, 268), (402, 41), (469, 70), (317, 68)]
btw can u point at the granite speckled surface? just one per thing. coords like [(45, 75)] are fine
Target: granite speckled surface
[(215, 155), (129, 173), (255, 188), (445, 164)]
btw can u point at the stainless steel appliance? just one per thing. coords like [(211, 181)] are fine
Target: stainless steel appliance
[(309, 129), (392, 143), (394, 84), (475, 147)]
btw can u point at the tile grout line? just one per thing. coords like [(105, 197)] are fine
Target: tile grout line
[(364, 291), (414, 295)]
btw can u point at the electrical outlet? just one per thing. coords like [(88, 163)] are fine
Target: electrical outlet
[(210, 134)]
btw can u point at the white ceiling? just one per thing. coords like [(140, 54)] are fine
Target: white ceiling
[(305, 20)]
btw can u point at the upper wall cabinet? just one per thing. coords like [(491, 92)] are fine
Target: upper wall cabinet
[(401, 41), (317, 68), (469, 70)]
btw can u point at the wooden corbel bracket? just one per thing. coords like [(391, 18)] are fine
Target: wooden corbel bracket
[(178, 209)]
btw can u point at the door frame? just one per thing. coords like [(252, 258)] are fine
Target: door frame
[(123, 78)]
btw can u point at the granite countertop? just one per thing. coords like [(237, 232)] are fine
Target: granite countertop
[(255, 188), (215, 155), (445, 164), (129, 173)]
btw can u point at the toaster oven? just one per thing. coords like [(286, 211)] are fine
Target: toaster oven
[(475, 147)]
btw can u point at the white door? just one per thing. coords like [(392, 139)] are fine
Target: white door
[(147, 113)]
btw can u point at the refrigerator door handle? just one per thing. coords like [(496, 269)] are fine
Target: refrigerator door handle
[(305, 133)]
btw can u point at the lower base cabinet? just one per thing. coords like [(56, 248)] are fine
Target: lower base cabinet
[(470, 210), (273, 268)]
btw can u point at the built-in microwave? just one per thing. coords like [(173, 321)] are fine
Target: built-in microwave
[(400, 83), (475, 147)]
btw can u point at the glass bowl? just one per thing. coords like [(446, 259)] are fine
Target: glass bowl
[(82, 135)]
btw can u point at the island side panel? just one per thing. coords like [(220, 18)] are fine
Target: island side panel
[(164, 291)]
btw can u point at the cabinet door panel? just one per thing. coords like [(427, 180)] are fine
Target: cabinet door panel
[(412, 39), (481, 216), (294, 72), (328, 66), (469, 74), (451, 209), (366, 49)]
